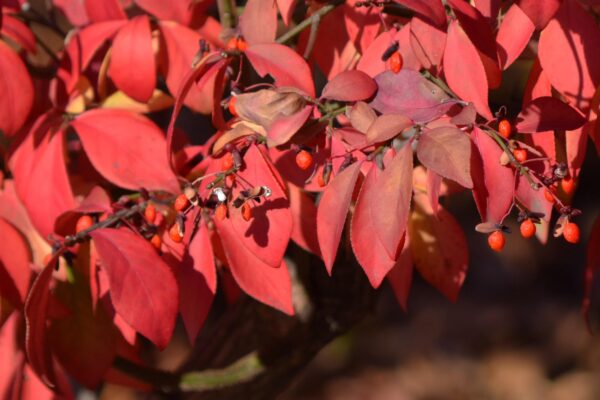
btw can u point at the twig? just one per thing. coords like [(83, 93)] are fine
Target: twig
[(289, 35), (227, 15), (312, 38)]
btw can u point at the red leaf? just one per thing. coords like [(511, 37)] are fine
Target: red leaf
[(534, 200), (408, 93), (15, 257), (591, 268), (390, 212), (36, 162), (386, 127), (266, 284), (142, 286), (430, 9), (286, 9), (285, 66), (368, 249), (284, 128), (427, 42), (499, 180), (181, 11), (514, 34), (267, 234), (349, 86), (17, 31), (371, 62), (127, 149), (461, 59), (439, 248), (489, 9), (400, 277), (540, 11), (133, 47), (74, 10), (565, 56), (104, 10), (480, 34), (548, 113), (575, 146), (447, 151), (332, 211), (36, 340), (304, 215), (17, 92), (258, 22), (197, 279), (433, 188), (92, 37)]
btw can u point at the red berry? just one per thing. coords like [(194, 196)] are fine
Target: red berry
[(571, 232), (505, 128), (396, 62), (520, 155), (221, 212), (84, 222), (241, 44), (227, 162), (496, 241), (549, 196), (246, 212), (527, 229), (181, 203), (568, 185), (231, 106), (150, 213), (156, 241), (174, 234), (232, 44), (304, 159)]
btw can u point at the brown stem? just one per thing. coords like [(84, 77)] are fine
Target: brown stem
[(323, 11)]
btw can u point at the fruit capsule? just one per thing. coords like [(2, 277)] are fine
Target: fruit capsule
[(496, 241), (571, 232), (181, 203), (84, 222), (304, 159), (396, 62), (246, 212), (505, 128), (150, 213), (527, 228), (174, 234)]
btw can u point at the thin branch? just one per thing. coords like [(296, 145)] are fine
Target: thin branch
[(312, 38), (292, 33)]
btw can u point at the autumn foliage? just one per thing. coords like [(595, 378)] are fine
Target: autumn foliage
[(343, 125)]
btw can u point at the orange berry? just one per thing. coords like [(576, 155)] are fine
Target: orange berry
[(520, 155), (549, 196), (396, 62), (571, 232), (181, 203), (496, 241), (527, 229), (505, 128), (84, 222), (227, 162), (174, 234), (231, 106), (241, 44), (221, 212), (232, 44), (568, 185), (246, 212), (304, 159), (150, 213), (156, 241)]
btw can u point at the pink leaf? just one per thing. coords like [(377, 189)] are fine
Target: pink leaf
[(390, 211), (408, 93), (15, 257), (133, 47), (400, 277), (350, 86), (181, 11), (17, 92), (304, 215), (332, 211), (434, 187), (142, 286), (461, 60), (284, 128), (386, 127), (439, 248), (565, 56), (197, 279), (540, 11), (258, 22), (447, 151), (127, 149), (268, 285), (427, 42), (283, 64), (92, 37), (286, 9), (371, 62), (18, 32), (368, 248), (499, 180), (548, 113), (514, 34)]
